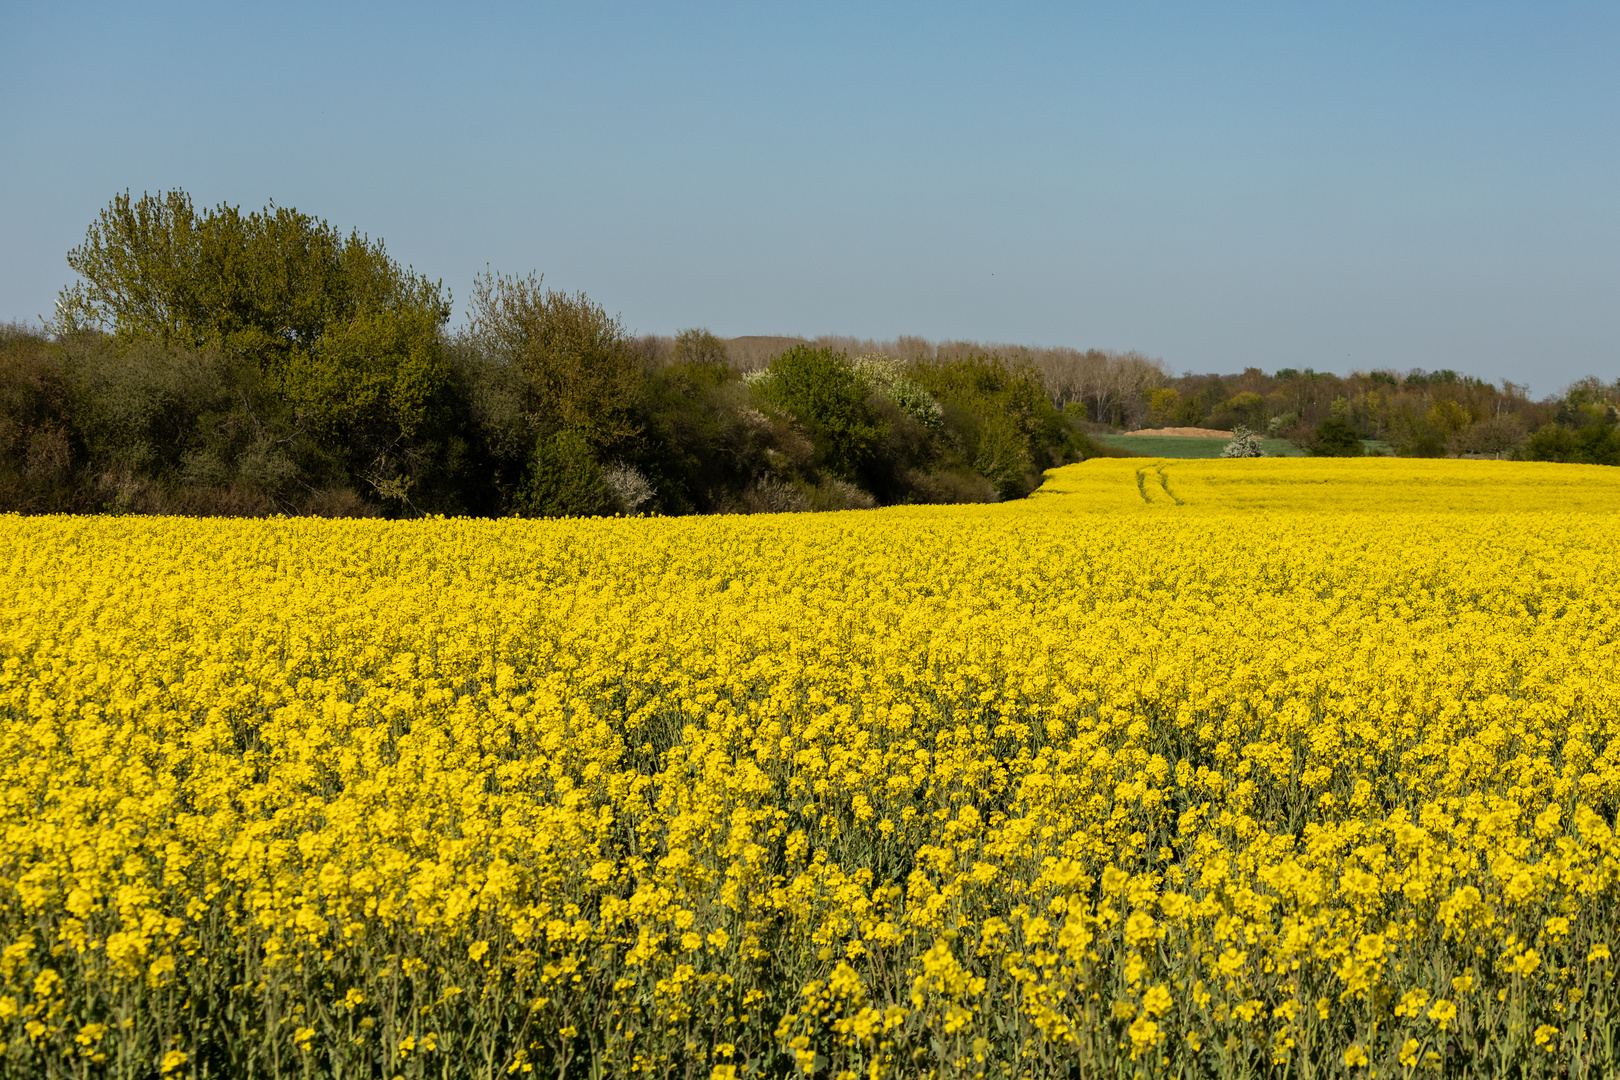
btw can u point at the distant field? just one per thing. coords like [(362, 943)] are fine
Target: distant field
[(1182, 446)]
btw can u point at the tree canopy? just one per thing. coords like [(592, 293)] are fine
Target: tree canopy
[(270, 283)]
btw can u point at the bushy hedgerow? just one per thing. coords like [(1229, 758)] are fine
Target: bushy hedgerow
[(211, 361)]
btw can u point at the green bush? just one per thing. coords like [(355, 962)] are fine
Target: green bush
[(1334, 437), (701, 443), (211, 361), (998, 420), (312, 340), (579, 368), (1594, 444), (820, 389), (564, 480)]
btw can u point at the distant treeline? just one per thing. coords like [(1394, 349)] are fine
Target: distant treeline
[(1416, 414), (215, 362)]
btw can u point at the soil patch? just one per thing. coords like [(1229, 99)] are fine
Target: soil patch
[(1185, 432)]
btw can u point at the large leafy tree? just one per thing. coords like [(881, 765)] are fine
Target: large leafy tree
[(578, 369), (340, 333)]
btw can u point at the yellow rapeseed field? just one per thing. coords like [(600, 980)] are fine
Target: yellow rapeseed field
[(1214, 768)]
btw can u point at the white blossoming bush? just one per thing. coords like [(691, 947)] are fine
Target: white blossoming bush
[(1245, 443), (886, 378)]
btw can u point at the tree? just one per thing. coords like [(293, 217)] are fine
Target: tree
[(347, 339), (1494, 435), (1243, 409), (270, 284), (821, 389), (1596, 444), (564, 480), (1334, 437), (700, 348), (1163, 402), (579, 369), (1553, 442), (370, 386), (999, 413), (1448, 419)]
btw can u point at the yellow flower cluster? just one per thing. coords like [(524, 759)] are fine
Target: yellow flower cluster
[(1207, 768)]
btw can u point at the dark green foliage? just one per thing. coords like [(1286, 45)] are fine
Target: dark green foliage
[(1553, 442), (88, 423), (41, 451), (564, 480), (702, 444), (1243, 409), (1336, 438), (342, 347), (271, 284), (579, 370), (1585, 427), (217, 362), (1594, 444), (1412, 436)]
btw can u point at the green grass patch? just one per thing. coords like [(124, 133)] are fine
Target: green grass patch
[(1186, 446)]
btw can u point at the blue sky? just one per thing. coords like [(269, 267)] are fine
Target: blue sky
[(1281, 185)]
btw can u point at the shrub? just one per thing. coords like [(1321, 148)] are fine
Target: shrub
[(564, 480), (886, 378), (1001, 456), (998, 420), (1334, 437), (1244, 444), (579, 369), (821, 390), (1595, 444), (40, 452)]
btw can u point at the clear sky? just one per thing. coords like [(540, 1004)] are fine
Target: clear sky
[(1222, 185)]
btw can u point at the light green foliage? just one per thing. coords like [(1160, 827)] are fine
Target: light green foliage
[(821, 390), (1163, 403), (1000, 455), (381, 367), (271, 284), (1000, 415), (339, 333), (700, 347)]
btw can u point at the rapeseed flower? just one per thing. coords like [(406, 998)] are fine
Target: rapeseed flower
[(953, 790)]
